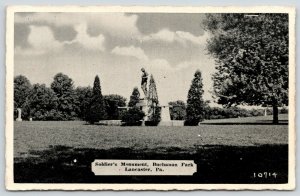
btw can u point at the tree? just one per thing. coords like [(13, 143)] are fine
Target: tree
[(84, 95), (67, 99), (154, 113), (195, 103), (134, 98), (177, 110), (96, 109), (112, 102), (22, 89), (251, 53), (42, 103)]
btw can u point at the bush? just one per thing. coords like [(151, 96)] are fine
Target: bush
[(155, 118), (256, 112), (133, 117), (177, 110), (112, 104), (284, 110), (193, 122), (231, 112)]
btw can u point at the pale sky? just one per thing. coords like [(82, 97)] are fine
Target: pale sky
[(114, 46)]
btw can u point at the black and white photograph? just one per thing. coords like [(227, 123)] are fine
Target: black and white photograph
[(150, 98)]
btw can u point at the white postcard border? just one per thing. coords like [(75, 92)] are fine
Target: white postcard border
[(10, 185)]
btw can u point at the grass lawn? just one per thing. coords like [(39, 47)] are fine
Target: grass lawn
[(259, 120), (221, 146), (41, 134)]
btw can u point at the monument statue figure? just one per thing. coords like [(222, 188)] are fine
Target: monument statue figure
[(144, 82), (150, 103)]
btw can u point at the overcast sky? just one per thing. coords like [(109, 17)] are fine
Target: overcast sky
[(114, 46)]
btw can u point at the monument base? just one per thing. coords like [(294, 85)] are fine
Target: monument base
[(110, 122), (172, 123), (143, 105), (19, 119), (165, 124)]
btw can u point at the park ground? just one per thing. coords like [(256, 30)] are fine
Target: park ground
[(225, 151)]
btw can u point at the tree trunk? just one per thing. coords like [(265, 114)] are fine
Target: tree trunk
[(275, 114)]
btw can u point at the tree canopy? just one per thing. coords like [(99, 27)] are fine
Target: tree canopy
[(251, 53), (42, 103), (84, 95), (63, 87), (22, 89)]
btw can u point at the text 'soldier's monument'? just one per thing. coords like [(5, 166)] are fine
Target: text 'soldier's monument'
[(149, 104)]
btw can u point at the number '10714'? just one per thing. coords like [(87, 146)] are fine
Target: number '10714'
[(265, 174)]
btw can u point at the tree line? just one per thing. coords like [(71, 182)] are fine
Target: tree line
[(62, 101)]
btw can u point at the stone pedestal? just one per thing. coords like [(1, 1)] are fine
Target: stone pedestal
[(165, 116), (19, 115), (143, 105), (165, 113)]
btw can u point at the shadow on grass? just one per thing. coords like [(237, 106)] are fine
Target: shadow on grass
[(215, 164)]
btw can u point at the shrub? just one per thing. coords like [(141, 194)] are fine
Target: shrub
[(284, 110), (177, 110), (133, 117), (112, 103), (155, 118)]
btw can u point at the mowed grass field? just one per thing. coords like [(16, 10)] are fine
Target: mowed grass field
[(39, 135), (225, 151)]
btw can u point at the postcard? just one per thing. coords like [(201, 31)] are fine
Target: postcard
[(150, 98)]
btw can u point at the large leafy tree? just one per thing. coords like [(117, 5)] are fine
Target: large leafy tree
[(195, 109), (97, 108), (251, 52), (134, 97), (42, 103), (22, 89), (112, 102), (84, 95), (63, 87)]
